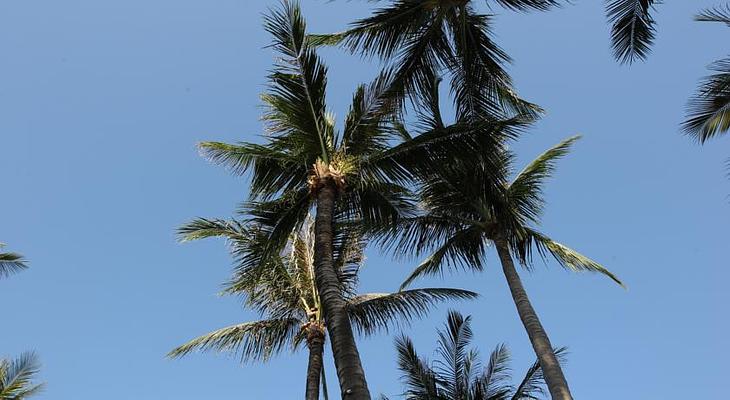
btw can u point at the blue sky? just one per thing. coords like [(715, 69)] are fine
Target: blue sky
[(102, 103)]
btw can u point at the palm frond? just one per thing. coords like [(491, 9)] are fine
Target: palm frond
[(274, 169), (281, 216), (633, 29), (495, 381), (528, 5), (387, 29), (477, 67), (453, 355), (427, 153), (258, 340), (296, 101), (377, 203), (526, 190), (348, 245), (717, 14), (464, 250), (419, 378), (16, 377), (565, 256), (709, 109), (202, 228), (532, 386), (366, 127), (11, 263), (379, 311)]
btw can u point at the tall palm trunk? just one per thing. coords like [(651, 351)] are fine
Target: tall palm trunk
[(347, 358), (557, 385), (315, 341)]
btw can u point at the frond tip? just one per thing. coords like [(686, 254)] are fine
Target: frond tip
[(569, 258), (11, 263), (633, 31)]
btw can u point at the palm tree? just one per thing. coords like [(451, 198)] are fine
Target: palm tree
[(10, 263), (456, 374), (709, 109), (462, 215), (16, 377), (286, 296), (422, 39), (305, 163)]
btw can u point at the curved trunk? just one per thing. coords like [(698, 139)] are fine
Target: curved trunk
[(342, 340), (553, 373), (315, 342)]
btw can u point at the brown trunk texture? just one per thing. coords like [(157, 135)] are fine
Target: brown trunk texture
[(553, 373), (315, 342), (347, 359)]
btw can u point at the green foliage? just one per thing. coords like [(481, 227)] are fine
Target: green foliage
[(16, 377), (281, 289), (708, 111), (423, 39), (457, 374), (633, 28), (10, 263), (463, 211)]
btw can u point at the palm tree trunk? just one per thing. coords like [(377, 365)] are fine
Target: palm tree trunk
[(347, 359), (315, 342), (553, 373)]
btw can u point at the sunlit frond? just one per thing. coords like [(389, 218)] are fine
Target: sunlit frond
[(708, 111), (565, 256), (380, 311), (16, 377), (252, 341), (202, 228)]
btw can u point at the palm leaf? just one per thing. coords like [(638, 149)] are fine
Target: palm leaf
[(527, 5), (567, 257), (378, 311), (526, 190), (202, 228), (16, 377), (451, 366), (258, 340), (495, 381), (11, 263), (709, 109), (532, 386), (274, 169), (463, 250), (716, 14), (297, 106), (633, 29), (421, 381)]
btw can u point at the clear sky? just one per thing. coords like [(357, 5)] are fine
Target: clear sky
[(102, 103)]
